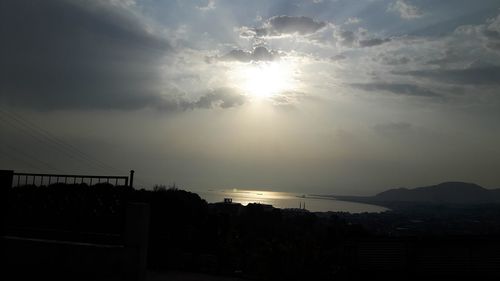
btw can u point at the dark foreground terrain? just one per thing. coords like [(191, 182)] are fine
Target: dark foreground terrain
[(257, 242)]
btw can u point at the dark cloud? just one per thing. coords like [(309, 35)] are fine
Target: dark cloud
[(391, 59), (399, 89), (258, 54), (449, 56), (279, 25), (221, 97), (492, 33), (494, 45), (348, 38), (338, 57), (373, 42), (59, 54), (473, 75)]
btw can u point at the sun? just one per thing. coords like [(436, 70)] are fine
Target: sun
[(264, 79)]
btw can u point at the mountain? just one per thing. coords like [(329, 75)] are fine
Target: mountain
[(443, 193)]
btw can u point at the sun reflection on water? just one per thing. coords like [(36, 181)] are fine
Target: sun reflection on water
[(288, 200)]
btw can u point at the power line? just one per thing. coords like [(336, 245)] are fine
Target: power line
[(15, 158), (31, 157), (37, 137), (48, 138)]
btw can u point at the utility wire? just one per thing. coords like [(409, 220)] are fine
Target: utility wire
[(48, 138), (15, 158), (31, 157), (42, 141)]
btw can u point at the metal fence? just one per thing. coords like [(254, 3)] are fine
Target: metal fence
[(35, 179)]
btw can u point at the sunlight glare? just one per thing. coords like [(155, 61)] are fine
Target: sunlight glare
[(264, 79)]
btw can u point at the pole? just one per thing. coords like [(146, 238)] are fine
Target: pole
[(132, 178), (6, 177)]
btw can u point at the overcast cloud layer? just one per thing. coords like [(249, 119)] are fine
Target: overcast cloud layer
[(384, 93)]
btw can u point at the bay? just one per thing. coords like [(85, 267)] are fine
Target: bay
[(287, 200)]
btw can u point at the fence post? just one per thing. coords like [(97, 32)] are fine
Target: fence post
[(6, 177), (132, 178), (136, 240)]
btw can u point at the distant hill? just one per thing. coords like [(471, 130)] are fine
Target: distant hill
[(443, 193)]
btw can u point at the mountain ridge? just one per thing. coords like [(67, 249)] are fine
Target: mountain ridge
[(445, 193), (452, 192)]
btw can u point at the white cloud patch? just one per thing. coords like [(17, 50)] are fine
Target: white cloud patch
[(352, 20), (123, 3), (209, 5), (405, 10)]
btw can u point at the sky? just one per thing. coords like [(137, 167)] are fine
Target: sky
[(312, 96)]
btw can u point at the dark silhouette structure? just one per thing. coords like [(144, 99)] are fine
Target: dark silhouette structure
[(108, 232), (34, 179), (73, 231)]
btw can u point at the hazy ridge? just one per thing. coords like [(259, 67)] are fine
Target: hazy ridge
[(443, 193)]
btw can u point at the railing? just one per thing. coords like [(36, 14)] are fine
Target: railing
[(113, 256), (20, 179), (47, 179)]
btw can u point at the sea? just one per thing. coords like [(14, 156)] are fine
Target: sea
[(282, 200)]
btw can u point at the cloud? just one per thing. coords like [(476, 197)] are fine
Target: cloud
[(64, 55), (122, 3), (223, 98), (396, 88), (448, 57), (405, 10), (59, 54), (347, 38), (373, 42), (284, 25), (288, 98), (390, 59), (216, 98), (257, 54), (352, 20), (460, 57), (492, 33), (488, 33), (358, 38), (209, 5), (472, 75), (338, 57)]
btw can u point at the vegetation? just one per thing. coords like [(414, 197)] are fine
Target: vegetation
[(187, 233), (255, 241)]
